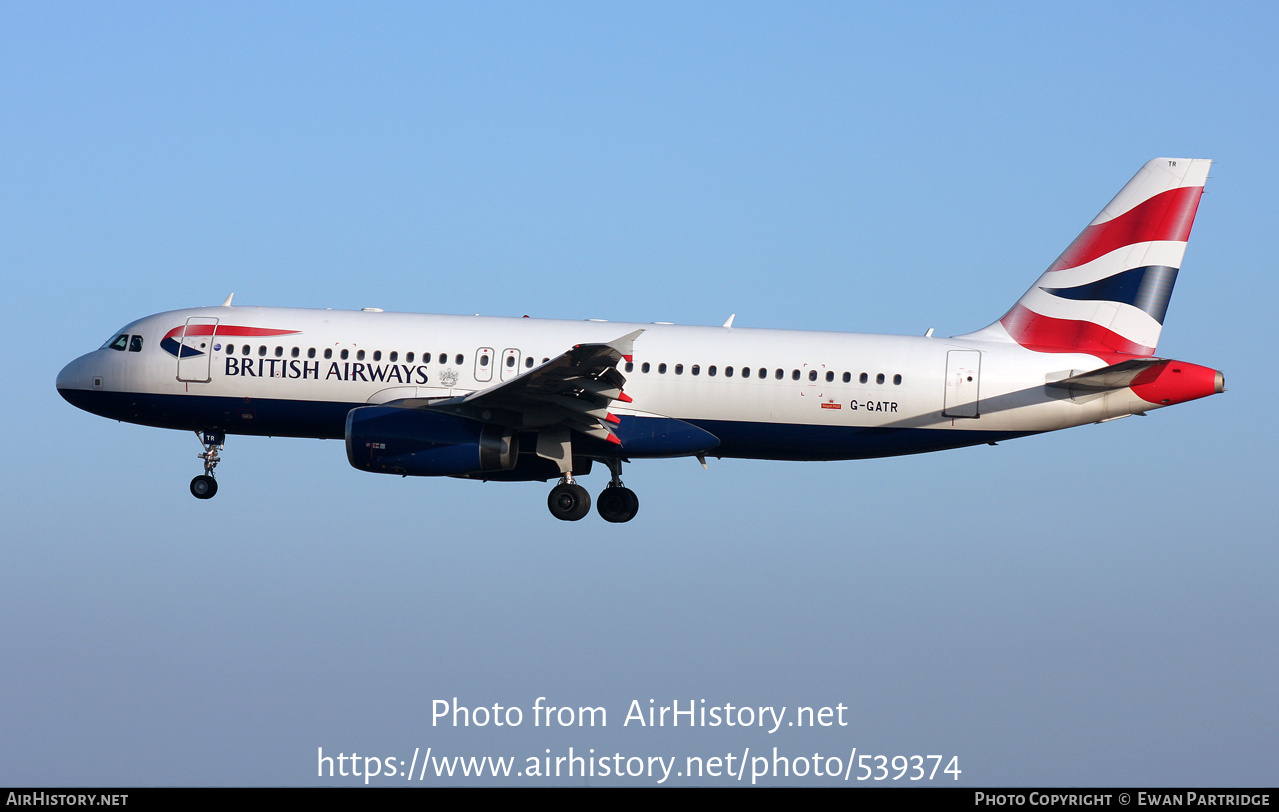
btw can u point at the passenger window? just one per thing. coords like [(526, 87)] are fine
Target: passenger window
[(295, 352), (710, 370), (408, 358), (230, 349), (728, 372), (528, 364), (135, 343), (328, 353), (696, 370), (310, 352), (279, 352), (780, 374), (460, 359), (794, 374), (262, 349), (245, 349), (510, 362), (377, 355), (864, 378), (763, 373), (746, 372), (830, 377), (395, 356), (484, 360), (346, 354), (644, 367), (661, 369), (359, 355), (630, 365), (897, 380), (879, 378), (848, 376)]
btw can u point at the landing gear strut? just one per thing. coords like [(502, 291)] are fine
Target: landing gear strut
[(616, 503), (205, 486), (568, 500)]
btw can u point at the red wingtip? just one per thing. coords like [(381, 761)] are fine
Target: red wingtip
[(612, 438), (612, 418), (625, 398)]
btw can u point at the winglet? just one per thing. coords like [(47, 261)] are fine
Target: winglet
[(626, 344)]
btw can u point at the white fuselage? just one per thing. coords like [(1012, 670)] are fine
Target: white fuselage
[(784, 394)]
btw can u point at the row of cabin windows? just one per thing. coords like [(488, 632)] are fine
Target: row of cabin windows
[(360, 355), (762, 373), (393, 356), (510, 361)]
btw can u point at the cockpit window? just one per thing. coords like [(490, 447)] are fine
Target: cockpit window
[(119, 343), (135, 344)]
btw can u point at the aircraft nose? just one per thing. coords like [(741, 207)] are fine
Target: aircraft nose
[(72, 377), (67, 377)]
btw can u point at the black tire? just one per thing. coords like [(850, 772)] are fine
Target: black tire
[(617, 504), (569, 502), (204, 487)]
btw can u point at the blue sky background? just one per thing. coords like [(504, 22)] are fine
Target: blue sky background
[(1085, 608)]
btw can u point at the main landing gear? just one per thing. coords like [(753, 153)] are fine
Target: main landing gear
[(568, 500), (205, 486), (616, 503)]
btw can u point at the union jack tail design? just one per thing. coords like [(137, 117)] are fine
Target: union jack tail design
[(1106, 295)]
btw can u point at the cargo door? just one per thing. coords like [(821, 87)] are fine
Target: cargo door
[(963, 380)]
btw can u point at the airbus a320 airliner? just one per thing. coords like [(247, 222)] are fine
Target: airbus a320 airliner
[(520, 399)]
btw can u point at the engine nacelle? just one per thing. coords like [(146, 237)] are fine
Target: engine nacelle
[(413, 442)]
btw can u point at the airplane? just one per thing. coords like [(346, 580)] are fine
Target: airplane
[(521, 399)]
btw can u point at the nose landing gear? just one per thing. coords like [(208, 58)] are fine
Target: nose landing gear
[(205, 486)]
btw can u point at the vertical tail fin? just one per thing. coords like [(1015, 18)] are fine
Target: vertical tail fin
[(1108, 291)]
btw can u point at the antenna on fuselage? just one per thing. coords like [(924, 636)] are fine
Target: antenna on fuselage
[(729, 323), (227, 303)]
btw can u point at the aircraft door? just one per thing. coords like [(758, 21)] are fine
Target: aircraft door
[(484, 364), (195, 349), (510, 363), (963, 379)]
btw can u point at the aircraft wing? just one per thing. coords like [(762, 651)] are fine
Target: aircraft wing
[(573, 390)]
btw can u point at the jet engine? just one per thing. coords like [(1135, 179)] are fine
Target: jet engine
[(415, 442)]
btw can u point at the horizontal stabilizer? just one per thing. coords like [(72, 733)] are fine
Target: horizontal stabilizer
[(1115, 376)]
